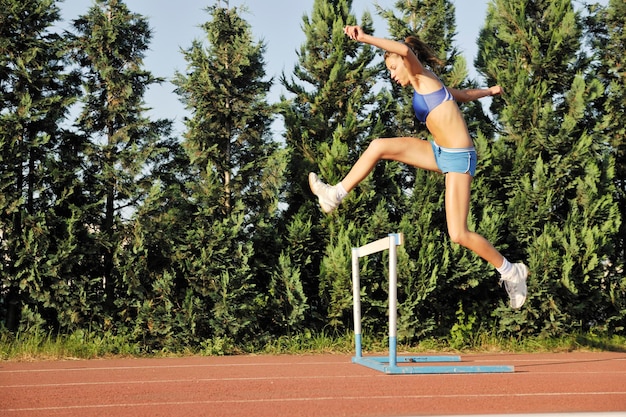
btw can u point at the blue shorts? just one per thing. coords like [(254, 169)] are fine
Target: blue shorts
[(461, 160)]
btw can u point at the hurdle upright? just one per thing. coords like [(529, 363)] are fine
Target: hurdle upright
[(389, 364)]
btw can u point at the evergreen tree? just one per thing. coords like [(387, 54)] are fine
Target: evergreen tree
[(607, 38), (38, 220), (437, 277), (556, 182), (329, 121), (238, 171), (110, 45), (161, 312)]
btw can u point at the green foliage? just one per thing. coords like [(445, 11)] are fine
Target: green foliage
[(463, 329), (335, 287), (286, 296), (91, 345), (40, 215), (217, 346), (559, 189), (609, 38), (116, 238), (233, 199), (34, 343), (109, 46)]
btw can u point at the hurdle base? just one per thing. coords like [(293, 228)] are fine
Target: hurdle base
[(382, 364)]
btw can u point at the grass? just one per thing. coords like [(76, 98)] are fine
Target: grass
[(78, 345), (91, 345)]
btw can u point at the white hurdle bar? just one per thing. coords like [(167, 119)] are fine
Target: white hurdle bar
[(388, 243), (389, 364)]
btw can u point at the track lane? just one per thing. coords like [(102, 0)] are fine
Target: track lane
[(309, 385)]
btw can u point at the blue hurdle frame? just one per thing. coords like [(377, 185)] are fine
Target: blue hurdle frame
[(389, 365)]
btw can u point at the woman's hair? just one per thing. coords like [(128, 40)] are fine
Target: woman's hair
[(423, 52)]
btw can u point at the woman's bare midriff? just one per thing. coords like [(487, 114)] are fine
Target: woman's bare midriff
[(447, 126)]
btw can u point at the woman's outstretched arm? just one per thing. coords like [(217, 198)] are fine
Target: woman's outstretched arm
[(463, 96)]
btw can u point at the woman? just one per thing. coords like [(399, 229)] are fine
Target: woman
[(451, 152)]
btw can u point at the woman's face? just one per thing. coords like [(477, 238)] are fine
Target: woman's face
[(397, 70)]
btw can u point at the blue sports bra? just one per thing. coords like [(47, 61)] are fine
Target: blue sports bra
[(423, 104)]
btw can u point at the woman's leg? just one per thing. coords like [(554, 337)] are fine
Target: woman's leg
[(457, 209), (411, 151), (458, 189)]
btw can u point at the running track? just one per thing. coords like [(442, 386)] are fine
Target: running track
[(311, 385)]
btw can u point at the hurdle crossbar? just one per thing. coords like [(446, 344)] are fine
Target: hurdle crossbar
[(389, 364)]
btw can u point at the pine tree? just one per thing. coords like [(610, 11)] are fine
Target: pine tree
[(437, 276), (38, 221), (161, 312), (238, 170), (329, 120), (110, 45), (608, 40), (555, 183)]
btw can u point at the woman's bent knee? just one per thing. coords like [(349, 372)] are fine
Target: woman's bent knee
[(377, 147), (461, 237)]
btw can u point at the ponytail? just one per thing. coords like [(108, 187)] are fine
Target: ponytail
[(422, 51)]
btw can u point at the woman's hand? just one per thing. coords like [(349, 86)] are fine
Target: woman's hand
[(354, 32), (495, 90)]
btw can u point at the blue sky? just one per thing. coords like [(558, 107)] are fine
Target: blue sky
[(277, 22)]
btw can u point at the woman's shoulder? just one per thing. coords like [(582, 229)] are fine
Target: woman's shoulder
[(427, 82)]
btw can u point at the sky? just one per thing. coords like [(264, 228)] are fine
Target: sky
[(278, 23)]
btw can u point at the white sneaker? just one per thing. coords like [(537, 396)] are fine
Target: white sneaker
[(515, 285), (326, 194)]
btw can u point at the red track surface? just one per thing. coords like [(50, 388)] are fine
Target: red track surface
[(319, 385)]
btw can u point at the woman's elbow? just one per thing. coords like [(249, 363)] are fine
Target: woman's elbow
[(404, 50)]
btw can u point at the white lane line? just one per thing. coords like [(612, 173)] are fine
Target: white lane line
[(280, 378), (292, 377), (156, 366), (190, 380), (314, 399)]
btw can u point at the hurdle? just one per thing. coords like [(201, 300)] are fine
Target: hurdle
[(390, 364)]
